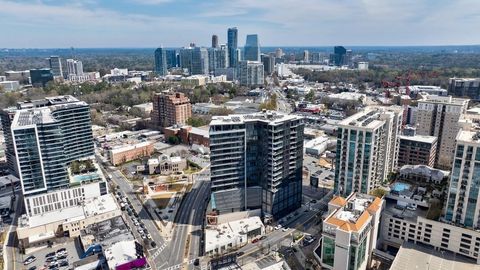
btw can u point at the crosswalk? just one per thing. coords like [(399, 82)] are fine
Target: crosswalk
[(158, 251)]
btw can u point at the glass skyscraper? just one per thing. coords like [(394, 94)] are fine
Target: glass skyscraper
[(160, 62), (232, 39), (252, 48), (47, 135), (463, 201), (256, 162)]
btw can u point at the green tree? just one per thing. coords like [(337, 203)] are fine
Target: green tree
[(310, 96), (173, 140), (196, 121), (378, 192)]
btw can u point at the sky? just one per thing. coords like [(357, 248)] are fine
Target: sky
[(176, 23)]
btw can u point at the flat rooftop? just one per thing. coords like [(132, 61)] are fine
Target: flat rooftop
[(392, 209), (444, 100), (417, 257), (269, 117), (91, 207), (127, 147), (419, 138), (368, 119), (223, 234), (469, 136)]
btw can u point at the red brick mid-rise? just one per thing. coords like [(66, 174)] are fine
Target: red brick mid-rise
[(170, 109)]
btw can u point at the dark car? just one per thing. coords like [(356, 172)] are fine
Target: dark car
[(51, 254), (63, 263), (50, 259), (62, 257), (240, 253), (313, 201), (153, 244), (61, 250), (32, 268), (196, 262)]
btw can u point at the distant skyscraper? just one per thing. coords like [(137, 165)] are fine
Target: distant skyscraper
[(55, 64), (252, 48), (250, 73), (171, 58), (268, 63), (338, 56), (185, 56), (348, 59), (74, 67), (278, 53), (47, 135), (160, 62), (306, 56), (465, 87), (214, 41), (232, 38), (199, 61), (256, 162), (367, 149)]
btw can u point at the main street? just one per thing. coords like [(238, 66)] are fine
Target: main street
[(189, 218)]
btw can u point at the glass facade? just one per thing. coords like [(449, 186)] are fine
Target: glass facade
[(328, 251)]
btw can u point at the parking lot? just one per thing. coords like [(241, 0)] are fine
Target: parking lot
[(72, 249)]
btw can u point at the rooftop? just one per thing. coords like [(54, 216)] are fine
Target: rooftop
[(468, 136), (91, 207), (354, 212), (419, 138), (444, 100), (369, 119), (127, 147), (227, 232), (418, 257), (269, 117)]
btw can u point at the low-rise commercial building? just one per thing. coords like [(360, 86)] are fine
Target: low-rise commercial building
[(189, 135), (350, 232), (227, 237), (164, 165), (10, 86), (125, 153), (38, 230)]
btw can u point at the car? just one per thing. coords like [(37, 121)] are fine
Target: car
[(240, 253), (284, 229), (196, 262), (61, 250), (278, 227), (51, 254), (63, 263), (149, 236), (135, 214), (153, 244), (32, 268), (254, 240), (51, 259), (263, 237), (61, 257)]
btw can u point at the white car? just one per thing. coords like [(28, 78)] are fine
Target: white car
[(285, 229), (279, 226)]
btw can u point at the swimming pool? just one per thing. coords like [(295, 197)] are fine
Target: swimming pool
[(85, 177), (399, 186)]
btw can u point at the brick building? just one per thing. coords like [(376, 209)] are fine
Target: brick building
[(122, 154), (189, 135), (170, 109)]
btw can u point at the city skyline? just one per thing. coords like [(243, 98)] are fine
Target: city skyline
[(149, 23)]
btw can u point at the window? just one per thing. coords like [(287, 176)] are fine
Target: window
[(328, 251)]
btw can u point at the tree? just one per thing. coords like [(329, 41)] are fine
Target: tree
[(310, 96), (173, 140), (196, 121), (378, 192), (221, 111)]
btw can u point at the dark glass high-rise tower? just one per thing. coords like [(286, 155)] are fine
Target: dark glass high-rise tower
[(252, 48), (232, 39), (160, 62), (256, 162)]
